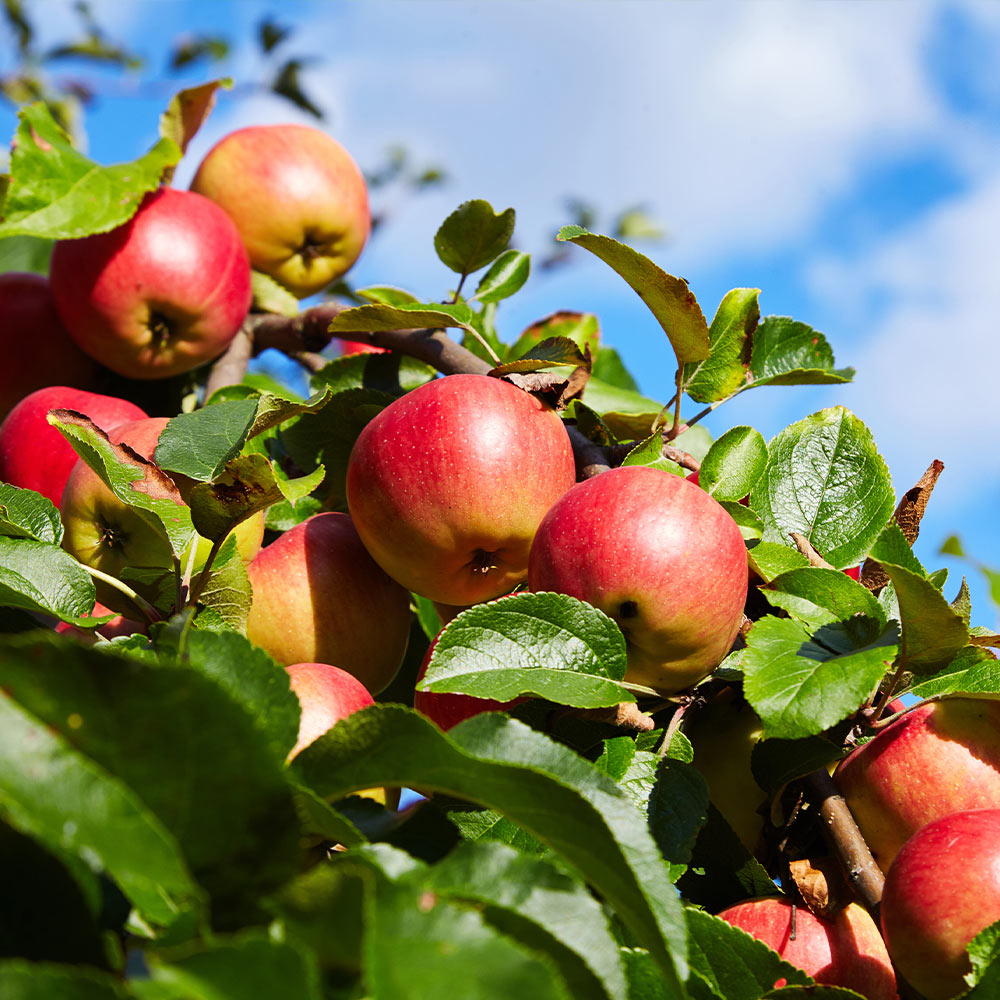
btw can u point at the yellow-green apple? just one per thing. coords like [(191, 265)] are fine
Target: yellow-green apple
[(448, 484), (160, 294), (723, 734), (445, 709), (940, 892), (846, 951), (326, 695), (107, 534), (297, 197), (659, 556), (940, 757), (34, 455), (318, 596), (37, 349)]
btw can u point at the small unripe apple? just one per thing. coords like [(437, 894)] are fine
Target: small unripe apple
[(298, 200), (943, 888), (107, 534), (160, 294), (34, 455), (448, 484), (37, 350), (319, 597), (846, 951), (940, 757), (659, 556)]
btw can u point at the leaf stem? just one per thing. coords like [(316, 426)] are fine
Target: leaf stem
[(675, 428), (147, 609)]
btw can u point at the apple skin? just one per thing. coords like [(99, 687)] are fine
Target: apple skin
[(847, 951), (103, 532), (319, 597), (357, 347), (161, 294), (723, 735), (941, 891), (940, 757), (448, 484), (659, 556), (37, 350), (297, 198), (34, 455)]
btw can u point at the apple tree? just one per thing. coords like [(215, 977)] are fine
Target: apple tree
[(639, 654)]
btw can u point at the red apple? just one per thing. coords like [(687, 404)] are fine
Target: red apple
[(357, 347), (326, 695), (36, 347), (445, 709), (105, 533), (941, 891), (940, 757), (159, 295), (298, 199), (447, 485), (34, 455), (319, 597), (846, 951), (659, 556)]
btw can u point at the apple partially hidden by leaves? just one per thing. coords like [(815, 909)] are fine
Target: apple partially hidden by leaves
[(942, 889), (318, 596), (447, 485), (37, 350), (109, 535), (940, 757), (659, 556), (161, 294), (297, 198), (34, 455), (846, 951)]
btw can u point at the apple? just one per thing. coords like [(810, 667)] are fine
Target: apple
[(119, 625), (357, 347), (846, 951), (33, 454), (723, 734), (298, 200), (37, 350), (319, 597), (103, 532), (659, 556), (940, 757), (161, 294), (448, 484), (942, 889)]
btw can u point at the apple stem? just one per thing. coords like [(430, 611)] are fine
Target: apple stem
[(844, 836), (147, 609), (887, 692)]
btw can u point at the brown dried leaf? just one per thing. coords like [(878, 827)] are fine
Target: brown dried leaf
[(819, 885)]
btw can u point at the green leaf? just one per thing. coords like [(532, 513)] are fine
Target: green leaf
[(826, 480), (369, 319), (41, 577), (27, 514), (668, 298), (786, 352), (386, 295), (133, 480), (549, 645), (733, 464), (57, 193), (677, 810), (507, 275), (248, 965), (582, 328), (750, 525), (534, 892), (801, 684), (179, 741), (187, 111), (21, 980), (551, 353), (777, 762), (738, 966), (649, 452), (817, 596), (771, 559), (227, 593), (604, 398), (554, 794), (25, 253), (724, 371), (933, 631), (472, 236), (984, 956), (972, 671), (610, 369), (271, 297), (390, 374)]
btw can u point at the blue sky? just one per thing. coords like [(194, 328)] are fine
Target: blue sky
[(842, 157)]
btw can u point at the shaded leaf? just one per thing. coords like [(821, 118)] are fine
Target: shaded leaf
[(288, 84), (187, 111), (473, 235), (724, 371)]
